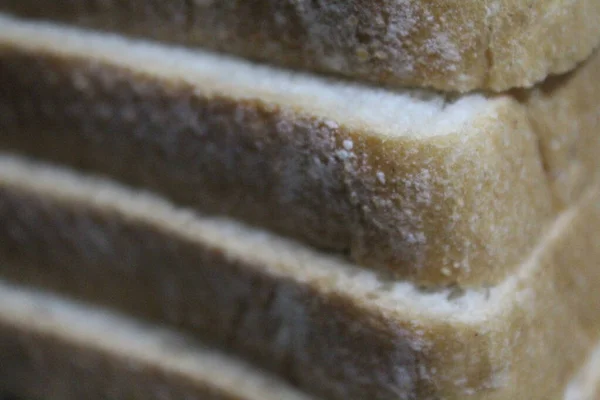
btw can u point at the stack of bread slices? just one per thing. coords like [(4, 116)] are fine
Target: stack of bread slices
[(300, 199)]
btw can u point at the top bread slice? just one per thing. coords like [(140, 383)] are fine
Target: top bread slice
[(55, 349), (454, 45), (438, 191), (332, 328)]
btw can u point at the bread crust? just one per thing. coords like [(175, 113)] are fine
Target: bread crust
[(450, 45), (336, 330), (460, 208), (456, 209), (563, 111), (55, 349)]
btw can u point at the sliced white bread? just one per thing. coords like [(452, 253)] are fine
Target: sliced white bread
[(55, 349), (433, 190), (335, 329), (450, 45)]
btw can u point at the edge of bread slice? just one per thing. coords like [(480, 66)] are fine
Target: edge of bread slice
[(435, 191), (337, 330), (52, 348), (459, 45)]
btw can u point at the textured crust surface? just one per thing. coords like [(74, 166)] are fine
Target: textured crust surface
[(332, 328), (52, 349), (564, 112), (456, 45), (462, 208)]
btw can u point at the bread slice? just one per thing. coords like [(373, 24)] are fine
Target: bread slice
[(455, 45), (436, 191), (429, 189), (337, 330), (52, 348)]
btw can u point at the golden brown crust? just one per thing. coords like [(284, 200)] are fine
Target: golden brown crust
[(463, 208), (295, 319), (454, 45)]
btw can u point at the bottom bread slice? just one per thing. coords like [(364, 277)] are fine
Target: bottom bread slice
[(55, 349), (336, 330)]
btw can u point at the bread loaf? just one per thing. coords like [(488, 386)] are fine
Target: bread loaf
[(437, 191), (337, 330), (55, 349), (455, 45)]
